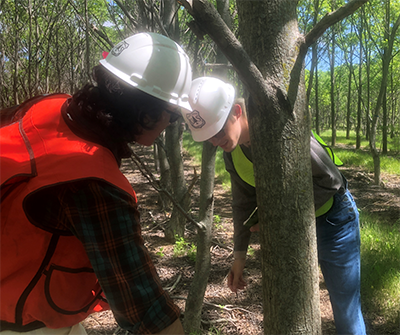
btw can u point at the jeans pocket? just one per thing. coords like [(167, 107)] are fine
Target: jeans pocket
[(343, 210)]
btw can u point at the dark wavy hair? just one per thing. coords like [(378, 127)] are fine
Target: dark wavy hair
[(112, 113)]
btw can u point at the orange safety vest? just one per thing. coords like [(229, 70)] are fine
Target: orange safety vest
[(46, 277)]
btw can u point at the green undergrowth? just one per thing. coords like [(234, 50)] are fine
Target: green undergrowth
[(362, 157), (380, 268), (195, 150), (380, 239)]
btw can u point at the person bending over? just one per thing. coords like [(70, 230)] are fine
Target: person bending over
[(216, 117), (71, 241)]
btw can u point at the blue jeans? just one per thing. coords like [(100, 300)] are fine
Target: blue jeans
[(338, 239)]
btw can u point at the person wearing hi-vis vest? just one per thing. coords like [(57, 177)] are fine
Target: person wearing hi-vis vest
[(220, 119), (71, 241)]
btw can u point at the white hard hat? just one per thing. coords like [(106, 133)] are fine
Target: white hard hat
[(154, 64), (211, 100)]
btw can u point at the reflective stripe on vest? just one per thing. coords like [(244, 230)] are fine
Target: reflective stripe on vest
[(324, 208), (243, 166), (327, 205), (328, 149)]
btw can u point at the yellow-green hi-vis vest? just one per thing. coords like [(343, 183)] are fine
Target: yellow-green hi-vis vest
[(244, 168)]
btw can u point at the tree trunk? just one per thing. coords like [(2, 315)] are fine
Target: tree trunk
[(192, 321), (349, 92), (165, 172), (393, 104), (58, 66), (288, 242), (384, 123), (314, 53), (173, 143), (360, 83), (317, 121), (390, 37), (314, 70), (87, 42), (37, 60), (198, 286), (30, 51), (16, 58), (367, 111), (332, 92)]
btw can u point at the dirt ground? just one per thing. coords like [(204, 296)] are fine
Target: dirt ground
[(223, 311)]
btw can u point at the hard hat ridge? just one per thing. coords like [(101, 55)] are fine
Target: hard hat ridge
[(153, 64)]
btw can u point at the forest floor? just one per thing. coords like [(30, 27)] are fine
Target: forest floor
[(223, 311)]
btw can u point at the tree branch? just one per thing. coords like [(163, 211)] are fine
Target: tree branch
[(208, 18), (100, 35), (127, 13), (304, 43), (330, 19), (156, 185)]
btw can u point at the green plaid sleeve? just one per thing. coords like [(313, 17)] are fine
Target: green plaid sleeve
[(105, 219)]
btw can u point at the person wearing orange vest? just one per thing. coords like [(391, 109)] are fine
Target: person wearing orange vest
[(71, 240), (217, 117)]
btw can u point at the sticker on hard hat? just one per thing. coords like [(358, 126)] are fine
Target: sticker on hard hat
[(195, 120), (117, 50)]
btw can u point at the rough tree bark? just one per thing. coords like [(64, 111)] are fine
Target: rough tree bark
[(280, 123), (279, 130)]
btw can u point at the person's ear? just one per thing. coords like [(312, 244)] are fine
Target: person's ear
[(237, 111)]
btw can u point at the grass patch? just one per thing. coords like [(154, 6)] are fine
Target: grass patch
[(380, 239), (380, 268), (195, 150), (362, 157), (393, 143), (326, 135)]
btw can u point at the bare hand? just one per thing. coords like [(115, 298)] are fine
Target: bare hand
[(235, 277)]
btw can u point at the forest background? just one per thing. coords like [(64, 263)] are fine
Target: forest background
[(48, 47)]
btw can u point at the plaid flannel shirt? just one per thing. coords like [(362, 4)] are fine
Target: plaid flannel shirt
[(106, 221)]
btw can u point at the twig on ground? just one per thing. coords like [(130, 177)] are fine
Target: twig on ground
[(227, 308), (171, 288), (222, 246), (211, 322)]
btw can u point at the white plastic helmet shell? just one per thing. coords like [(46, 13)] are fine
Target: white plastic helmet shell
[(154, 64), (211, 100)]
